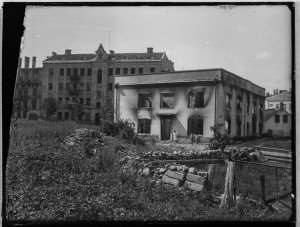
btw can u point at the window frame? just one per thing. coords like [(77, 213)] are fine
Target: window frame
[(109, 86), (146, 123), (118, 71), (50, 87), (161, 100), (199, 97), (228, 106), (141, 100), (61, 71), (192, 125), (141, 70), (285, 118), (277, 118), (99, 76)]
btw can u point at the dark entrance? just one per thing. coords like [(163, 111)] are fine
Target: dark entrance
[(97, 118), (165, 127)]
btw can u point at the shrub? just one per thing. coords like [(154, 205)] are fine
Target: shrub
[(218, 141)]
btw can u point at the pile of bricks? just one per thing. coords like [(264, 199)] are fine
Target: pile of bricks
[(176, 155), (180, 176)]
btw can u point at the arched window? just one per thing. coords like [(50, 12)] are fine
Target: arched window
[(99, 76)]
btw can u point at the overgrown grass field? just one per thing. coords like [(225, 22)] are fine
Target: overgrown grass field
[(45, 181)]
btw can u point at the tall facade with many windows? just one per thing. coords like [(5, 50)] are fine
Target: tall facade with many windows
[(190, 102), (88, 79)]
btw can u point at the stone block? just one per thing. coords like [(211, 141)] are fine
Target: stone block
[(193, 186), (170, 180), (195, 178), (176, 175)]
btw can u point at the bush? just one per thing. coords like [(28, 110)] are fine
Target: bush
[(218, 141)]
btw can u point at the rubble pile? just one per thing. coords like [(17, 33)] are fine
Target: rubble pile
[(248, 154), (179, 176), (181, 155)]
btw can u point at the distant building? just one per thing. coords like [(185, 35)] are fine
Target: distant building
[(278, 122), (191, 102), (28, 90), (89, 78), (283, 99)]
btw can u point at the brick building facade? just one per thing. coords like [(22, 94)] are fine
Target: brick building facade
[(89, 78), (28, 90)]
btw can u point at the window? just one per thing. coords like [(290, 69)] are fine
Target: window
[(145, 100), (98, 104), (140, 70), (60, 100), (75, 86), (88, 101), (99, 77), (196, 99), (271, 105), (285, 118), (68, 87), (50, 86), (228, 126), (277, 118), (82, 71), (75, 71), (195, 126), (132, 70), (89, 71), (239, 128), (34, 91), (228, 101), (110, 86), (277, 106), (248, 104), (33, 104), (239, 103), (110, 71), (61, 72), (88, 87), (51, 72), (25, 91), (125, 71), (167, 100), (68, 71), (61, 86), (74, 100), (25, 105), (81, 86), (117, 71), (98, 94), (81, 101), (67, 100), (144, 126), (152, 69), (254, 108)]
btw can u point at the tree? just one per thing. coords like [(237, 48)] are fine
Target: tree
[(50, 106), (218, 141)]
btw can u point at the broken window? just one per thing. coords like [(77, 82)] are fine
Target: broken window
[(110, 87), (132, 70), (99, 77), (110, 71), (145, 100), (33, 104), (285, 118), (195, 126), (228, 126), (228, 101), (117, 71), (196, 99), (239, 128), (61, 72), (167, 100), (144, 126), (152, 70), (271, 105), (239, 103), (254, 108), (125, 71), (277, 118), (277, 106)]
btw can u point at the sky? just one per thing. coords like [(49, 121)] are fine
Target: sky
[(253, 42)]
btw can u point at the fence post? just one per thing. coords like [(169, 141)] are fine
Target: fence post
[(229, 184), (262, 186), (211, 173)]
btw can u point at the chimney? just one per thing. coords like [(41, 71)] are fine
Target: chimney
[(54, 53), (20, 63), (67, 52), (149, 50), (33, 62), (111, 52), (27, 62), (276, 91)]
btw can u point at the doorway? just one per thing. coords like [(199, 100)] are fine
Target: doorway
[(166, 125)]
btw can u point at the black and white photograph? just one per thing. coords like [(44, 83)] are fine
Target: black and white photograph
[(153, 112)]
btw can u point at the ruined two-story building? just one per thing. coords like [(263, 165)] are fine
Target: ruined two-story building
[(190, 102)]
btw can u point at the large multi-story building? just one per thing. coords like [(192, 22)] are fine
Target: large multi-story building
[(190, 102), (280, 100), (28, 90), (89, 78)]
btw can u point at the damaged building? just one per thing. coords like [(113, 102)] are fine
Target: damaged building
[(190, 102), (88, 79)]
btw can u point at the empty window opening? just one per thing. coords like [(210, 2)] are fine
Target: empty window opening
[(145, 100), (144, 126), (167, 100)]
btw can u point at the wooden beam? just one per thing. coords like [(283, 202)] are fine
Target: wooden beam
[(189, 161), (272, 200)]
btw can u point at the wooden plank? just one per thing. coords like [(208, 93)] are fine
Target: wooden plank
[(275, 154), (193, 186), (272, 200), (195, 178), (273, 149), (271, 164), (277, 158), (170, 180), (190, 161), (176, 175)]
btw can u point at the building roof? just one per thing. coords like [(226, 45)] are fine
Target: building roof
[(286, 96), (116, 57), (270, 112)]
